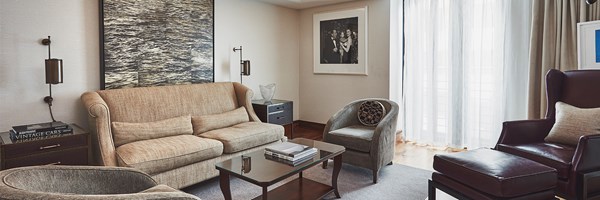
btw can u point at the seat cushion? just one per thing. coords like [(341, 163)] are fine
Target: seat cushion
[(496, 173), (355, 137), (245, 135), (557, 156), (163, 154)]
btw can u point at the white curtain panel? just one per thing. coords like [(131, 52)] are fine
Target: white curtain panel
[(466, 65)]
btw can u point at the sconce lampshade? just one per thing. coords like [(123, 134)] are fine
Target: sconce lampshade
[(54, 71), (246, 68)]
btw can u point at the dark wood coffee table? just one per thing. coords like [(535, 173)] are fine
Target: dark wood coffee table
[(264, 172)]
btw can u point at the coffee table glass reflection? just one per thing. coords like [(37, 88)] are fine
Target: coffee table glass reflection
[(255, 168)]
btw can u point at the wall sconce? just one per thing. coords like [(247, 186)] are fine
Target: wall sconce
[(244, 64), (54, 74)]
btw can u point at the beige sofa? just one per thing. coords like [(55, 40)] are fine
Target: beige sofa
[(176, 133)]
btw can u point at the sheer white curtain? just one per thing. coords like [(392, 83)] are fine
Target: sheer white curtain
[(465, 69)]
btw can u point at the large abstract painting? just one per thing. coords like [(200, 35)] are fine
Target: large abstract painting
[(156, 42)]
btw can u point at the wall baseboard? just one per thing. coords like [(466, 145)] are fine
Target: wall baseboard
[(309, 125)]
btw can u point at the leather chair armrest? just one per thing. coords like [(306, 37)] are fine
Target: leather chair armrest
[(525, 131), (586, 155)]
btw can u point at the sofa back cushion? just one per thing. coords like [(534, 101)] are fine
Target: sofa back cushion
[(206, 123), (126, 132), (149, 104)]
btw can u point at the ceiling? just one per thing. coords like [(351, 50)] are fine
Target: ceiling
[(302, 4)]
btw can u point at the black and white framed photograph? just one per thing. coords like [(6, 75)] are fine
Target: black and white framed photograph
[(156, 42), (339, 41)]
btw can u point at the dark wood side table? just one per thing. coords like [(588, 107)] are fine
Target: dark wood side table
[(65, 149), (276, 112)]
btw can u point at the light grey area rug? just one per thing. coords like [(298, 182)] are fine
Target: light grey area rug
[(396, 182)]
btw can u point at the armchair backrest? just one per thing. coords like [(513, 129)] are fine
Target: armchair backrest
[(579, 88)]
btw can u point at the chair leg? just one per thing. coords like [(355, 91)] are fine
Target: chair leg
[(325, 164), (375, 175), (431, 192)]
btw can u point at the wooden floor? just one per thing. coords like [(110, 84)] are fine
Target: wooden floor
[(410, 154)]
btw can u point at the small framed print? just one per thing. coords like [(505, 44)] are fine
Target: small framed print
[(588, 45)]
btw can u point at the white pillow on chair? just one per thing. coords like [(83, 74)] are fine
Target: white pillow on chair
[(572, 123)]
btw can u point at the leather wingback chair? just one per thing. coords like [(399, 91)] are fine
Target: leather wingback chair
[(83, 182), (368, 147), (578, 166)]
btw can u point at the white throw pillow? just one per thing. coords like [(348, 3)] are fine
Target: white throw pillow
[(572, 123)]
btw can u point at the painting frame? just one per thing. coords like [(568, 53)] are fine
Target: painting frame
[(202, 69), (324, 24), (588, 45)]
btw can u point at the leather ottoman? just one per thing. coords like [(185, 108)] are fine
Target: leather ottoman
[(488, 174)]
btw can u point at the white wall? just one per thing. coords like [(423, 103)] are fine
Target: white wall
[(323, 95), (269, 36), (268, 33), (73, 25)]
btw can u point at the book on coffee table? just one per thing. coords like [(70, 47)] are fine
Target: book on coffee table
[(288, 149), (289, 162)]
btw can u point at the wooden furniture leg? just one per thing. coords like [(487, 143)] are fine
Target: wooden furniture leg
[(224, 183), (337, 166)]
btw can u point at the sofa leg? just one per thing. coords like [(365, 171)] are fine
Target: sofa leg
[(375, 175), (325, 164)]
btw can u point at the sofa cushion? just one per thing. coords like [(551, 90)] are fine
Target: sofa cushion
[(557, 156), (206, 123), (496, 173), (572, 123), (245, 135), (124, 132), (355, 137), (163, 154)]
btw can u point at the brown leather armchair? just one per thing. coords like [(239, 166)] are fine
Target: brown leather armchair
[(578, 166)]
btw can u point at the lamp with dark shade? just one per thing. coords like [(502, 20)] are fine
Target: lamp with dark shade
[(244, 64), (54, 74)]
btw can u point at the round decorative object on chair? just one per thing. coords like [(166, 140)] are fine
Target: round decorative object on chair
[(370, 113)]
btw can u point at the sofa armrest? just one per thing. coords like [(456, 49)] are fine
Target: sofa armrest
[(100, 129), (525, 131), (244, 98), (586, 157)]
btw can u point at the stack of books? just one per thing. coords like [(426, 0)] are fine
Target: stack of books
[(290, 153), (41, 130)]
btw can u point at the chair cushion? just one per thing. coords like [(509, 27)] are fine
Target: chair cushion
[(162, 154), (245, 135), (370, 113), (124, 132), (557, 156), (496, 173), (355, 137), (572, 123), (211, 122)]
